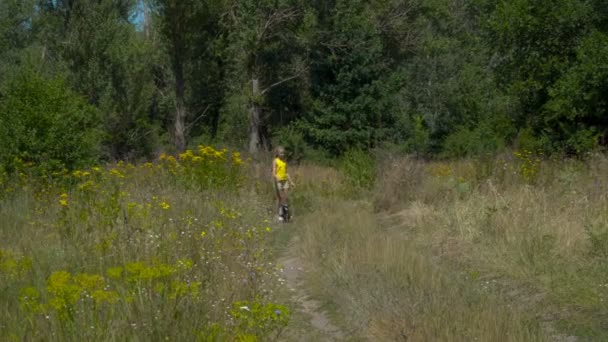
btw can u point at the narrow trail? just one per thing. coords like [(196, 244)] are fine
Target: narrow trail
[(307, 311)]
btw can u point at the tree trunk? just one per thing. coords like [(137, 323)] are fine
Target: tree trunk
[(180, 107), (147, 25), (180, 117), (255, 115)]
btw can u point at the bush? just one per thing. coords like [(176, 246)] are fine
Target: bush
[(575, 115), (358, 168), (45, 123), (488, 137), (420, 137)]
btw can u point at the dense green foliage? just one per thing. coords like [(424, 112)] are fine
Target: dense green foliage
[(547, 49), (439, 77), (45, 123)]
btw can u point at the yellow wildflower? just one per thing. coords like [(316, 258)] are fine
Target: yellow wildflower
[(115, 172), (63, 199), (186, 155), (101, 296), (236, 158)]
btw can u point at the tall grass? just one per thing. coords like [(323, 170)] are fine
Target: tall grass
[(508, 248), (387, 288), (505, 248), (172, 250)]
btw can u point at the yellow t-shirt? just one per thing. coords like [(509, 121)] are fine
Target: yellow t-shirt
[(281, 169)]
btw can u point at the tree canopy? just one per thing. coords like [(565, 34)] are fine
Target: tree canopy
[(131, 78)]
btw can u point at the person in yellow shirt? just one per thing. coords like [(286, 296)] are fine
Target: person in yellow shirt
[(282, 182)]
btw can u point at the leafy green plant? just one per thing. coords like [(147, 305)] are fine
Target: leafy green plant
[(358, 168), (486, 138), (419, 141), (45, 123), (259, 320)]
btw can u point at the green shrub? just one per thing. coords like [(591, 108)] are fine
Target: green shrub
[(487, 137), (420, 138), (575, 114), (45, 123), (358, 168)]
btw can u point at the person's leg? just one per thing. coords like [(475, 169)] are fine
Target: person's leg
[(285, 204), (278, 193), (282, 197), (285, 197)]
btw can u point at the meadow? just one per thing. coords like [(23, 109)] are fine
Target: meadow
[(171, 250), (504, 248)]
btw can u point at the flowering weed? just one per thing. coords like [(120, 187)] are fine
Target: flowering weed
[(154, 251)]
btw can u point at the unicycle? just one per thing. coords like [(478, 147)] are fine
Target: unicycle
[(285, 213)]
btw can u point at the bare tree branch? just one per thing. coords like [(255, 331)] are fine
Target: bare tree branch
[(190, 125), (276, 18), (280, 82)]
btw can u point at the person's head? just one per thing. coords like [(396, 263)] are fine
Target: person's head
[(279, 152)]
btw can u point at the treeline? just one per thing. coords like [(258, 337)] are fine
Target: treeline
[(84, 80)]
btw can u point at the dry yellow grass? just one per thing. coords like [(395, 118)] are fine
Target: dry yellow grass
[(465, 250)]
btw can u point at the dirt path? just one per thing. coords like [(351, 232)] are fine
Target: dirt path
[(310, 322)]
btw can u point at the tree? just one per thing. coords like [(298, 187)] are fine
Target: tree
[(451, 85), (190, 35), (576, 115), (106, 60), (176, 17), (548, 50), (16, 34), (354, 77), (260, 34)]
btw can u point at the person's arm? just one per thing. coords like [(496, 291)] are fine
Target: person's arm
[(274, 170), (290, 181)]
